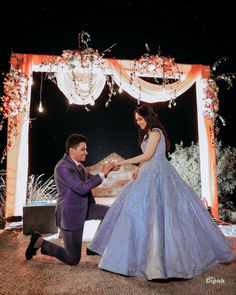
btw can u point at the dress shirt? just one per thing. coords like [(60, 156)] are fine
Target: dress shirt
[(100, 173)]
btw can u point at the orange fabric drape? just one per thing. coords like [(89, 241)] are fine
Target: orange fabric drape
[(212, 166)]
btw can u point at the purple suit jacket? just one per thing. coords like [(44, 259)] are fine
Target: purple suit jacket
[(74, 195)]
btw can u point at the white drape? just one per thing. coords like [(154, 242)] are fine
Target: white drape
[(84, 87), (146, 91), (81, 88)]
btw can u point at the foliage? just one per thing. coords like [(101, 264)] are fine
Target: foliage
[(37, 190), (226, 173), (187, 162), (226, 169)]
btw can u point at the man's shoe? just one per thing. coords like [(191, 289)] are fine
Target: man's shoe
[(31, 251), (90, 252)]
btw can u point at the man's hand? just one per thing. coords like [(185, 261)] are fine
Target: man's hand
[(116, 166), (120, 163), (107, 167)]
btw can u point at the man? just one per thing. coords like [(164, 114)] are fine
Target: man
[(75, 203)]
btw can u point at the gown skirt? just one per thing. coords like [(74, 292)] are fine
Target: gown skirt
[(159, 228)]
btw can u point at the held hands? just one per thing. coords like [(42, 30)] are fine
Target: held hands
[(120, 163), (107, 167), (112, 166), (116, 165)]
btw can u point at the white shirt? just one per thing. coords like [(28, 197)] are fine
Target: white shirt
[(100, 173)]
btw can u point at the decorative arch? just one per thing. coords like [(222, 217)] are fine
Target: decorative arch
[(121, 70)]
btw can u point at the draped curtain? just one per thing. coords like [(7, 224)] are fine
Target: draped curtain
[(85, 87), (81, 88)]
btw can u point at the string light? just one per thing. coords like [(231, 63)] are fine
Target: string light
[(40, 108)]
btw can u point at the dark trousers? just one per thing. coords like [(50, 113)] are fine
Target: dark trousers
[(71, 253)]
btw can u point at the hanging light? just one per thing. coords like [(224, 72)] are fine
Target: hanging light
[(40, 108)]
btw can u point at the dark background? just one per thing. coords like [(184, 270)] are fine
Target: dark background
[(192, 33)]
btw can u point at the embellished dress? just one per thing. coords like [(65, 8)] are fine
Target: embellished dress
[(158, 227)]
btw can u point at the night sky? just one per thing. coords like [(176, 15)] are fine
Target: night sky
[(190, 32)]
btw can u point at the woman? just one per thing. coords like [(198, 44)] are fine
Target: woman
[(158, 227)]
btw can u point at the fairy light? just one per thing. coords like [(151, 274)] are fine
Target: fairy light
[(40, 108)]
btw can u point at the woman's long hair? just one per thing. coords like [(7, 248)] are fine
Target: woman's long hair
[(147, 112)]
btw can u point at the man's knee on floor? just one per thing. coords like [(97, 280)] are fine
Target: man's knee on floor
[(74, 261)]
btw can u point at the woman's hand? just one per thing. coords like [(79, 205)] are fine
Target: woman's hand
[(120, 163), (135, 173), (107, 167)]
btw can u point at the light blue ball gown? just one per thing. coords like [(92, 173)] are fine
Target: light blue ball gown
[(158, 227)]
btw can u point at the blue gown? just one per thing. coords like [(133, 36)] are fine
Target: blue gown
[(158, 227)]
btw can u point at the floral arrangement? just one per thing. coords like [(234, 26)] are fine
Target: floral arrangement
[(211, 104), (14, 100), (87, 58), (211, 100), (157, 64)]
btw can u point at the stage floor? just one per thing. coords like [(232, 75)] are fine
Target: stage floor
[(44, 275)]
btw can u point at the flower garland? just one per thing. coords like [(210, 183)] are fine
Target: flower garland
[(14, 101)]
